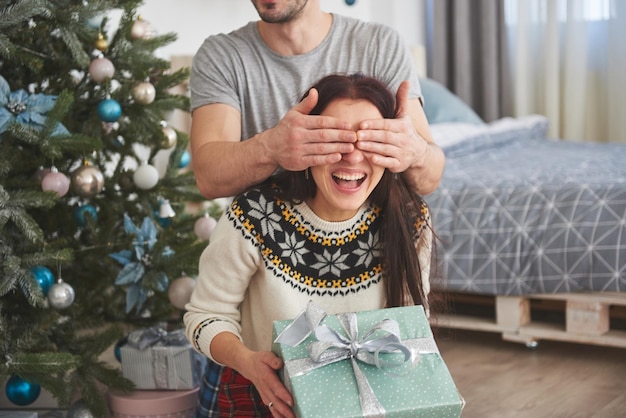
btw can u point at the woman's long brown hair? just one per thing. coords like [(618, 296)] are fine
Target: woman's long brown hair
[(401, 206)]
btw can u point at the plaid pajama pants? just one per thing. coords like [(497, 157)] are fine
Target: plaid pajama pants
[(207, 400), (225, 393)]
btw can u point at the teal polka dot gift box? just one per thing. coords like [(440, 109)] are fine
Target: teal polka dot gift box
[(382, 363)]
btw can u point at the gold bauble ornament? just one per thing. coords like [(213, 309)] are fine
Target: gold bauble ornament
[(144, 93), (87, 181), (169, 137), (101, 44)]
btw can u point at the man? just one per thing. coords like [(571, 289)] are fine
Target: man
[(245, 125), (243, 83)]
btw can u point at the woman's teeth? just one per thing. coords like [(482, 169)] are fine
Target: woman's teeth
[(348, 177), (348, 180)]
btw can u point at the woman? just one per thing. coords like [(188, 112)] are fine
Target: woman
[(351, 236)]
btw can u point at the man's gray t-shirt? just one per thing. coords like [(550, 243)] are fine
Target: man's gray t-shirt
[(240, 70)]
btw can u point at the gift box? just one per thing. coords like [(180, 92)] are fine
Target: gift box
[(155, 359), (153, 403), (382, 363)]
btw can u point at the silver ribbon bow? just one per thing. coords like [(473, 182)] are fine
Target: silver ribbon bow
[(155, 337), (330, 347)]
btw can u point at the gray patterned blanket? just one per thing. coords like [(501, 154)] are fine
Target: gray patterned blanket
[(521, 214)]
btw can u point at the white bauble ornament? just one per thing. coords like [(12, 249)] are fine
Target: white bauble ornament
[(144, 93), (180, 291), (56, 182), (61, 295), (146, 176), (101, 69), (87, 181), (204, 226)]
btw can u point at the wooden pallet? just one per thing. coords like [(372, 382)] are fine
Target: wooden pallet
[(588, 318)]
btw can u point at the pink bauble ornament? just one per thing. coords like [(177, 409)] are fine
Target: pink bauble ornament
[(101, 69), (146, 176), (144, 93), (179, 292), (204, 226), (56, 182)]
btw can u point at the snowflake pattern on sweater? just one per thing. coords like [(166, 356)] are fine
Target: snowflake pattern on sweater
[(312, 260)]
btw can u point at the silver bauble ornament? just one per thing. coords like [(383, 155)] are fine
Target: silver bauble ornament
[(79, 410), (204, 226), (144, 93), (87, 181), (61, 295), (101, 69), (169, 137), (146, 176), (180, 291)]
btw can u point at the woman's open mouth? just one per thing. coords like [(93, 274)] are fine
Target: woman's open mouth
[(349, 180)]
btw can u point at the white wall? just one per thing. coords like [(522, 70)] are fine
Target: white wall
[(194, 20)]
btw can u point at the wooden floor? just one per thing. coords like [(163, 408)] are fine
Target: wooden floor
[(558, 379)]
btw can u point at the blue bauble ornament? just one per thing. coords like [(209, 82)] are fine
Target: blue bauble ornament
[(82, 212), (44, 277), (185, 159), (350, 2), (22, 392), (118, 348), (109, 110)]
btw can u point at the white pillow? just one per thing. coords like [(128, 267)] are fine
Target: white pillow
[(452, 135)]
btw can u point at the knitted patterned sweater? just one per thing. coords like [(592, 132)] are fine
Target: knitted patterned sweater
[(267, 258)]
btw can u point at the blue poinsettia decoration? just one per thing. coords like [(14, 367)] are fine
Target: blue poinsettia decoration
[(136, 263), (19, 106)]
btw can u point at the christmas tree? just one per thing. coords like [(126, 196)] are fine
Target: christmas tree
[(92, 235)]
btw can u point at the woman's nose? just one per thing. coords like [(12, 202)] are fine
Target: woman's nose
[(354, 157)]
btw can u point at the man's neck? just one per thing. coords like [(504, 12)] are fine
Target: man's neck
[(299, 36)]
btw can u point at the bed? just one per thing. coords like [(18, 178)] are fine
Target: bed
[(532, 230)]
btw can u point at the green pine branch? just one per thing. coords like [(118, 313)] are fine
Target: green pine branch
[(46, 47)]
